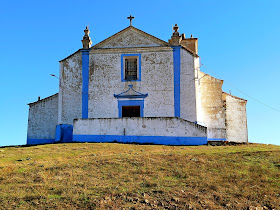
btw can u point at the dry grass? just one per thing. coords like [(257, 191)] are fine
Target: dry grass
[(93, 175)]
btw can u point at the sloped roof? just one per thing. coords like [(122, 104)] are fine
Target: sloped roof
[(71, 55), (211, 76), (235, 96), (189, 50), (44, 99)]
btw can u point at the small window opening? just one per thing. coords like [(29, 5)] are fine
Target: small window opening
[(131, 69), (131, 111)]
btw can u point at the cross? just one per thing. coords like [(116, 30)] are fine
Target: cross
[(130, 18)]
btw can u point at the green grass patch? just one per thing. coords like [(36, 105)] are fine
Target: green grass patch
[(100, 175)]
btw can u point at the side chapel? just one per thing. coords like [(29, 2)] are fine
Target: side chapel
[(134, 87)]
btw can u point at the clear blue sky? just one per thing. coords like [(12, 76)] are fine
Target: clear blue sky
[(238, 41)]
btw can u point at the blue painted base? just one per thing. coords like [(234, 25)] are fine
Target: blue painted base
[(165, 140), (64, 133), (40, 141), (213, 139)]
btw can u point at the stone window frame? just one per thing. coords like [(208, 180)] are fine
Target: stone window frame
[(127, 56)]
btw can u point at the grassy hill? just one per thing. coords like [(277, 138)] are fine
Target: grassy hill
[(93, 175)]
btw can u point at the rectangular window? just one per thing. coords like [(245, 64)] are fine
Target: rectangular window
[(131, 111), (130, 69)]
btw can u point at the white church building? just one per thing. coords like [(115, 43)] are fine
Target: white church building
[(134, 87)]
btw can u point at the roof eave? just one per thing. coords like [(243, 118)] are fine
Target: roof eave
[(70, 55), (42, 99), (235, 97), (190, 51)]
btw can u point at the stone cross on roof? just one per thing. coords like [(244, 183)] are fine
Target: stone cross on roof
[(130, 18)]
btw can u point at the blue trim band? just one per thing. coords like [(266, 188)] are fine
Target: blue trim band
[(64, 133), (165, 140), (131, 96), (85, 75), (58, 133), (131, 103), (40, 141), (177, 69), (122, 67), (216, 139)]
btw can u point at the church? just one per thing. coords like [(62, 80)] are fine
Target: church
[(136, 88)]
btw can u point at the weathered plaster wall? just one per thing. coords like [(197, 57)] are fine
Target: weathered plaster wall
[(156, 80), (199, 110), (212, 113), (103, 81), (187, 87), (236, 118), (141, 130), (70, 89), (42, 119)]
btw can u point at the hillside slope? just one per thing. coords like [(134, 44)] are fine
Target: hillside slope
[(99, 175)]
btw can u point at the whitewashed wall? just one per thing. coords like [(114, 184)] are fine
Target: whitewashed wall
[(142, 126), (42, 118), (199, 110), (212, 110), (236, 118), (70, 89), (156, 80), (187, 88)]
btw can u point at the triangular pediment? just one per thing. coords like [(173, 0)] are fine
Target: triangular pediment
[(130, 93), (131, 37)]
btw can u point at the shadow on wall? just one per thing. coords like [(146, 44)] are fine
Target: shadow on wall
[(64, 133)]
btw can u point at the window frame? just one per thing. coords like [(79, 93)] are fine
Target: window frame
[(129, 56), (122, 103)]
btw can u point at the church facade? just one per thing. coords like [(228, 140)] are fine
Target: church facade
[(134, 87)]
